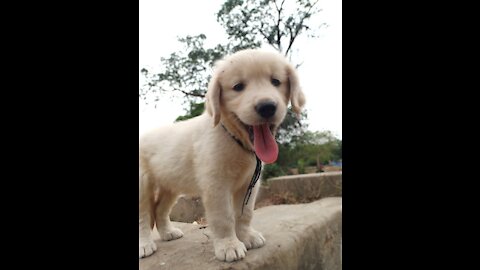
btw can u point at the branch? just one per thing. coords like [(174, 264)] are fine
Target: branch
[(279, 37), (292, 39), (293, 36), (189, 93), (298, 65), (268, 40)]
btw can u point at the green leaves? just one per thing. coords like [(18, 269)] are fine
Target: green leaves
[(195, 109), (309, 149), (186, 72)]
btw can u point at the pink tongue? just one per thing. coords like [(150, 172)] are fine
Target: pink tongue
[(266, 147)]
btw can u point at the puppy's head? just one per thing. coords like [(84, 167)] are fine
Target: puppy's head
[(251, 90)]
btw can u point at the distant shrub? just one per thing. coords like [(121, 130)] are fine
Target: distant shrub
[(272, 170), (301, 166)]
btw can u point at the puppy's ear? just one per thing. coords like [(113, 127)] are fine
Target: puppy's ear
[(297, 98), (212, 102)]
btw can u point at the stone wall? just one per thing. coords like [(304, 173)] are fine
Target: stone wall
[(285, 189)]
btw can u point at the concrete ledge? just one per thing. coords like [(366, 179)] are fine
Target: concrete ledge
[(306, 187), (188, 209), (301, 236), (300, 188)]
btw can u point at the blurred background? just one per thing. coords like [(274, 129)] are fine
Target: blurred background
[(180, 40)]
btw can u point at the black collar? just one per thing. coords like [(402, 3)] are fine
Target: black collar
[(237, 140), (256, 173)]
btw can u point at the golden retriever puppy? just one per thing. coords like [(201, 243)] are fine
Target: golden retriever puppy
[(214, 155)]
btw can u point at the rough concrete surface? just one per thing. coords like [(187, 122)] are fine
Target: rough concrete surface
[(307, 186), (188, 209), (299, 188), (301, 236)]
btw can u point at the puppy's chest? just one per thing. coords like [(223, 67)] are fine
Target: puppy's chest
[(242, 171), (239, 159)]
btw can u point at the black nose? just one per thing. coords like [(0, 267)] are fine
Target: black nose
[(266, 109)]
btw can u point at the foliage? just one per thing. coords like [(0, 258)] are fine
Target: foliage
[(186, 71), (195, 109), (292, 127), (272, 170), (309, 149), (249, 23), (301, 166)]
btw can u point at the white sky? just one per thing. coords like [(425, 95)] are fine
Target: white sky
[(161, 22)]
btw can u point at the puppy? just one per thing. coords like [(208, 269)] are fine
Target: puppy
[(213, 155)]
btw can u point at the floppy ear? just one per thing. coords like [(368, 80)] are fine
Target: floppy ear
[(212, 102), (297, 98)]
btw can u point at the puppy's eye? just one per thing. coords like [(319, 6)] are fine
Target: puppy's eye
[(275, 82), (239, 87)]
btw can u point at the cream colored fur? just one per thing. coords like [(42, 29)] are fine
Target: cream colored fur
[(198, 157)]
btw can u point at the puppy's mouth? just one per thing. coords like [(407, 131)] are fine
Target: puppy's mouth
[(263, 139), (251, 134)]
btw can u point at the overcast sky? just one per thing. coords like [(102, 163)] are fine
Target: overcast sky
[(161, 22)]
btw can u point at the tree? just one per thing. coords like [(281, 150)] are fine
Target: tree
[(186, 71), (308, 149), (248, 24), (311, 148)]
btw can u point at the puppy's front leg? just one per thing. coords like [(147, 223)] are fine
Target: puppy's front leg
[(146, 246), (220, 215), (249, 236)]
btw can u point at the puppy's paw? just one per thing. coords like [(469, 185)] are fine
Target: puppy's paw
[(252, 239), (229, 249), (170, 234), (146, 248)]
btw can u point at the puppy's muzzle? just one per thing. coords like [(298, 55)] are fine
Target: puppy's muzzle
[(266, 109)]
